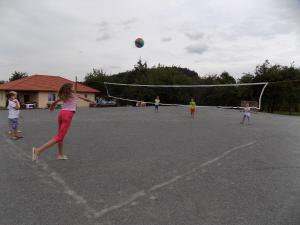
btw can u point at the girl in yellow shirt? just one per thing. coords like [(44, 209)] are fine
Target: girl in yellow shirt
[(156, 103), (192, 107)]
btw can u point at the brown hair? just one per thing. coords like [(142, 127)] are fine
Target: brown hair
[(65, 92)]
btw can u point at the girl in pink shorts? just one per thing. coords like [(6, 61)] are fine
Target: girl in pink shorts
[(69, 98)]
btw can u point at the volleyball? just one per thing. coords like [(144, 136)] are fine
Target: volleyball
[(139, 42)]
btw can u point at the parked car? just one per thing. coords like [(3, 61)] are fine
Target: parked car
[(102, 102), (28, 105)]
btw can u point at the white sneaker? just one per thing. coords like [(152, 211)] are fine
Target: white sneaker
[(62, 157)]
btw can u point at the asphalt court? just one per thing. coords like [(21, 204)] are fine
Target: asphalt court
[(130, 165)]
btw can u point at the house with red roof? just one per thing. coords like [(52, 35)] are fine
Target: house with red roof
[(42, 90)]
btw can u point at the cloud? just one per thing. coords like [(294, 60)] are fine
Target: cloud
[(197, 49), (166, 39), (109, 67), (129, 21), (103, 37), (194, 35), (103, 26), (127, 24)]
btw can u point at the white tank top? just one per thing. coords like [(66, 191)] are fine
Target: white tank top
[(71, 104)]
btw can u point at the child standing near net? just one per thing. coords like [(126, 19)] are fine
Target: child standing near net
[(156, 103), (13, 106), (246, 114), (69, 98), (192, 107)]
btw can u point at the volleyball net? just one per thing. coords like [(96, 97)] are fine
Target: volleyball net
[(219, 95)]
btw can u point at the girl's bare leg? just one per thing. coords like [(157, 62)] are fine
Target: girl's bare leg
[(60, 148), (41, 149), (243, 120)]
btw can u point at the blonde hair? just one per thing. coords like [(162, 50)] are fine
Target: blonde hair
[(65, 92), (12, 93)]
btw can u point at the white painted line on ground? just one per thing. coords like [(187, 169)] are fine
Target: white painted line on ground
[(172, 180), (121, 204), (201, 166), (93, 213), (166, 183), (80, 200)]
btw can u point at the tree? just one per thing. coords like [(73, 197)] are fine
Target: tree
[(2, 81), (246, 78), (140, 66), (226, 78), (247, 93), (96, 78), (18, 75), (282, 93)]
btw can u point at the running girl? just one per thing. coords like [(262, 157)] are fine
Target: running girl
[(69, 98)]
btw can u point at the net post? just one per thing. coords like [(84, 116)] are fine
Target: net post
[(260, 96), (75, 84), (108, 95)]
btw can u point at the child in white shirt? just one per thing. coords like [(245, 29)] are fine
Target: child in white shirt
[(13, 107)]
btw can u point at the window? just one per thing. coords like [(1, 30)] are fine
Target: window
[(85, 95), (51, 97)]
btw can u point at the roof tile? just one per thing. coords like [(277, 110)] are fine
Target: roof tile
[(39, 82)]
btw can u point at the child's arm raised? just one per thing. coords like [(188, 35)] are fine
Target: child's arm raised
[(52, 106), (17, 104), (85, 99)]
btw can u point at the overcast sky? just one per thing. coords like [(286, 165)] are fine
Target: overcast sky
[(71, 37)]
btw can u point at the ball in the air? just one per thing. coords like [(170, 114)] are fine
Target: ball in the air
[(139, 42)]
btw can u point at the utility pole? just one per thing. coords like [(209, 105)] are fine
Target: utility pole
[(75, 84)]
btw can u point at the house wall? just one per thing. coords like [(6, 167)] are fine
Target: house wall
[(43, 99), (2, 98), (90, 96)]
